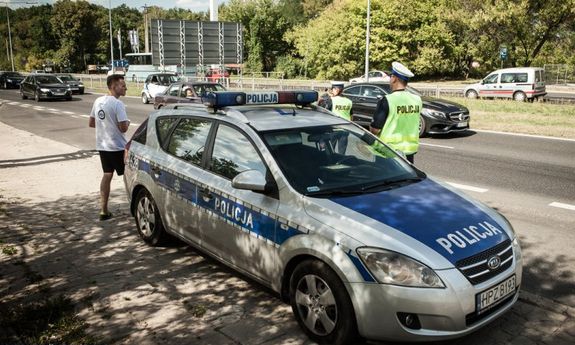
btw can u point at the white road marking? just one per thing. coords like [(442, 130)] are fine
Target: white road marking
[(37, 107), (522, 135), (135, 124), (442, 146), (84, 115), (14, 103), (562, 205), (466, 187), (26, 105), (69, 112)]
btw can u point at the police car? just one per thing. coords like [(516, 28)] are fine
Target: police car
[(360, 242)]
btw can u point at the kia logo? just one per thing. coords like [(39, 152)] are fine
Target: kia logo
[(494, 262)]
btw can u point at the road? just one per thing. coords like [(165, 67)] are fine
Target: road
[(530, 180)]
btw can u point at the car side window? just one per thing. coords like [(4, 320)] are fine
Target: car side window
[(173, 91), (491, 79), (233, 153), (163, 128), (354, 91), (188, 140)]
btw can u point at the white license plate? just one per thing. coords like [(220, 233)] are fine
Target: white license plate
[(495, 294), (59, 93), (462, 124)]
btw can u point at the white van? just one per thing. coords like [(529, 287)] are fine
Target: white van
[(520, 84)]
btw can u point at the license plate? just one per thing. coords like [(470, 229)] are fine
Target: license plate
[(462, 124), (74, 88), (494, 295), (59, 93)]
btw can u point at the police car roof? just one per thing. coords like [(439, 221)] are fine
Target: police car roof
[(260, 117)]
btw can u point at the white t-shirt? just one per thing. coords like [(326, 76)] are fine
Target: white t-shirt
[(107, 112)]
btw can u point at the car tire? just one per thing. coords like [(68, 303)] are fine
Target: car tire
[(422, 124), (471, 94), (37, 96), (316, 288), (145, 99), (69, 98), (519, 96), (148, 221), (23, 95)]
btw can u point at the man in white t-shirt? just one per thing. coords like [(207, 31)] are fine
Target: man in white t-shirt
[(109, 118)]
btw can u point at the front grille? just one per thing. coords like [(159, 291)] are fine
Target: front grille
[(475, 268), (458, 116)]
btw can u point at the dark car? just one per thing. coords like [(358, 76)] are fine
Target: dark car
[(177, 93), (10, 79), (77, 86), (437, 116), (44, 86)]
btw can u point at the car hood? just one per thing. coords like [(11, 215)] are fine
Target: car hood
[(15, 78), (427, 212), (442, 105), (53, 86)]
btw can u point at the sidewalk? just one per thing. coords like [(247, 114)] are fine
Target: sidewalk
[(99, 280)]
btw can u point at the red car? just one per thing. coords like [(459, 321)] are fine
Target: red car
[(215, 75)]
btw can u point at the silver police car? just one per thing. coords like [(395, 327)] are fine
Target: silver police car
[(360, 242)]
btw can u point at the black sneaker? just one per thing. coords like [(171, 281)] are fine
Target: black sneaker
[(105, 216)]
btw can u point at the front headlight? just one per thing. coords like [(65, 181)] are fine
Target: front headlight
[(393, 268), (434, 113), (44, 90), (509, 226), (81, 85)]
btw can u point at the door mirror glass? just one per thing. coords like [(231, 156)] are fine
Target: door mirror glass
[(252, 180)]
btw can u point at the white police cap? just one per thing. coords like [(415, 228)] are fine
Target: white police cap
[(400, 71)]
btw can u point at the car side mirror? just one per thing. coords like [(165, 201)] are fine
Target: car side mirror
[(482, 82), (379, 96), (252, 180)]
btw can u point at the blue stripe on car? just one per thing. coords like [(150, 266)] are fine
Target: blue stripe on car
[(433, 215)]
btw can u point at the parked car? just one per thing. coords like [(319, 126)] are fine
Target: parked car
[(77, 86), (157, 83), (44, 86), (176, 93), (520, 84), (359, 241), (437, 116), (373, 76), (10, 79)]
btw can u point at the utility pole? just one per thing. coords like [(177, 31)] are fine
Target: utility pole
[(146, 43), (111, 39), (6, 4), (367, 43)]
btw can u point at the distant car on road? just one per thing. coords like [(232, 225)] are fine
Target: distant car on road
[(437, 116), (77, 86), (176, 93), (10, 79), (157, 83), (520, 84), (373, 76), (214, 75), (44, 86)]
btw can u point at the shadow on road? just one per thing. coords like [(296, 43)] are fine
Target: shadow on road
[(81, 154), (127, 292)]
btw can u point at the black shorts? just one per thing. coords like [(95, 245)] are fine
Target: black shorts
[(112, 160)]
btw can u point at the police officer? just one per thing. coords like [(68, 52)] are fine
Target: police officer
[(337, 103), (396, 118)]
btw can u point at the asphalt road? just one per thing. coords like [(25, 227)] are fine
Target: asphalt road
[(530, 180)]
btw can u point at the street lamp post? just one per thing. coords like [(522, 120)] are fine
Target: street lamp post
[(111, 39), (367, 43), (6, 3)]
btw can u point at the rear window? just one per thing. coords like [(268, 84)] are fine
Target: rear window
[(513, 78)]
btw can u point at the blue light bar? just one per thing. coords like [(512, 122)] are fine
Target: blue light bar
[(221, 99)]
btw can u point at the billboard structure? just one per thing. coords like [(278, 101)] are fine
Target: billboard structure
[(196, 44)]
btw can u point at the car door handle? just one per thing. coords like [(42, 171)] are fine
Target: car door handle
[(206, 195), (156, 171)]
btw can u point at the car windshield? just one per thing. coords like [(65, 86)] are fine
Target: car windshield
[(167, 79), (13, 74), (47, 79), (66, 78), (340, 159)]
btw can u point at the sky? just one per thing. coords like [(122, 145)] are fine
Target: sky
[(194, 5)]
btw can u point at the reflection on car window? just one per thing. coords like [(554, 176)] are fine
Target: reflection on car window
[(371, 91), (48, 79), (189, 139), (163, 128), (312, 159), (66, 78), (353, 90), (491, 79), (233, 153), (173, 91)]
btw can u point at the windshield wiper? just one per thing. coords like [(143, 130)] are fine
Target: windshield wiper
[(334, 192), (391, 183)]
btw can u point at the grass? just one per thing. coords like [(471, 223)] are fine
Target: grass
[(51, 321), (556, 120)]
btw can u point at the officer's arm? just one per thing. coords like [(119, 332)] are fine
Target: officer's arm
[(92, 122), (380, 116)]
